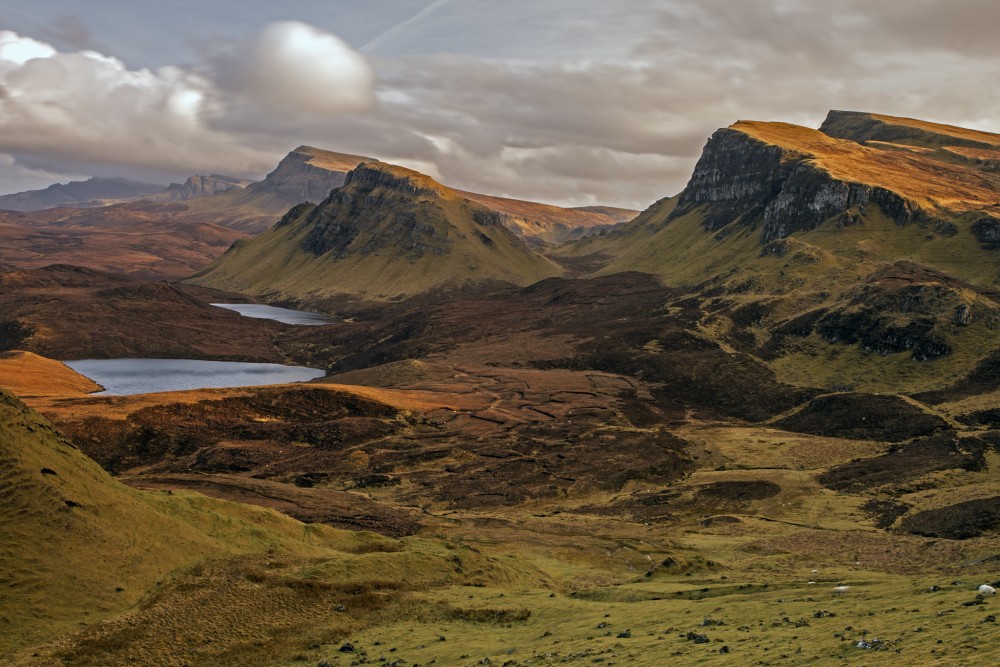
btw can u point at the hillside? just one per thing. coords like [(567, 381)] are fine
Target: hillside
[(149, 241), (850, 255), (79, 545), (28, 374), (388, 232)]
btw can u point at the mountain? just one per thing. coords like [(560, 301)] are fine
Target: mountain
[(92, 192), (852, 250), (309, 174), (305, 174), (198, 186), (388, 232)]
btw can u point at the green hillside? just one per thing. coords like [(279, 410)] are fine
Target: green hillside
[(389, 232)]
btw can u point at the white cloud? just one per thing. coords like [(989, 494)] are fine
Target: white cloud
[(294, 66), (87, 112), (17, 50)]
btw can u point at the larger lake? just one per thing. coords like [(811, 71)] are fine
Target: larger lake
[(286, 315), (144, 376)]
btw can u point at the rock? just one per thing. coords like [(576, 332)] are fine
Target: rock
[(197, 186), (697, 638), (963, 315), (741, 177)]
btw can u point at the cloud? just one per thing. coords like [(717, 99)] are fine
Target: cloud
[(294, 67), (565, 101), (86, 112)]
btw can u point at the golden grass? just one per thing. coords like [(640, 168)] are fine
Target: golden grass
[(28, 374), (929, 182)]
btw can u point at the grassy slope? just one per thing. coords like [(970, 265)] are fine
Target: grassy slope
[(28, 374), (275, 265), (818, 267), (65, 567)]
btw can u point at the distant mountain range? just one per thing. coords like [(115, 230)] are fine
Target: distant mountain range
[(76, 194), (172, 232)]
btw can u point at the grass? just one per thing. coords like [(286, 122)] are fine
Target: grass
[(213, 583)]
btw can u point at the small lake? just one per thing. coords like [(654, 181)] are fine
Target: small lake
[(144, 376), (286, 315)]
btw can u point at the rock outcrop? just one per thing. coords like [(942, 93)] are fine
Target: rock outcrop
[(198, 186), (782, 179), (307, 174)]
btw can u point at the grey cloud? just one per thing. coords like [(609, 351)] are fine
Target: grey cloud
[(577, 102)]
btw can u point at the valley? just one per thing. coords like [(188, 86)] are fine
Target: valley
[(756, 424)]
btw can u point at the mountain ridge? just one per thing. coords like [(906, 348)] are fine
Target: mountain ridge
[(93, 192)]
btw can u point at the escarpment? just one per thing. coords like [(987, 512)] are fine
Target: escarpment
[(783, 179)]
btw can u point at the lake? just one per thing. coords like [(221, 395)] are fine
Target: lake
[(143, 376), (286, 315)]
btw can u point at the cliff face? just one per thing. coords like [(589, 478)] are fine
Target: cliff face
[(783, 179), (307, 174)]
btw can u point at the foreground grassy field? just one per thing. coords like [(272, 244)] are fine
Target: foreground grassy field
[(739, 561)]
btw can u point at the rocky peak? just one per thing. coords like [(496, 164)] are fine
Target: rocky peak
[(307, 174), (381, 206), (375, 174), (198, 186)]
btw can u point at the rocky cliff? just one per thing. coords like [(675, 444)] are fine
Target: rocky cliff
[(783, 179), (307, 174), (198, 186)]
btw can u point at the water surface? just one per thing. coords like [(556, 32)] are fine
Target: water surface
[(143, 376), (286, 315)]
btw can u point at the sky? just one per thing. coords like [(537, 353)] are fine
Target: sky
[(574, 102)]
